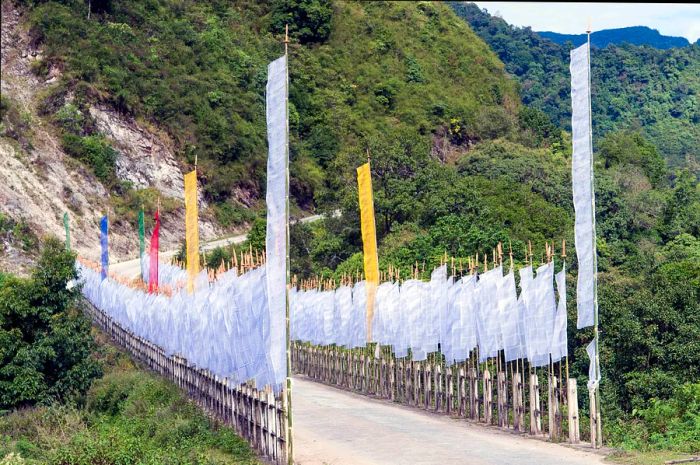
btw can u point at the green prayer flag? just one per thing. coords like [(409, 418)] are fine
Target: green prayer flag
[(142, 243), (65, 225), (142, 234)]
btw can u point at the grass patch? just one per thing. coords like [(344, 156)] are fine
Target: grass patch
[(645, 458), (17, 233), (130, 417)]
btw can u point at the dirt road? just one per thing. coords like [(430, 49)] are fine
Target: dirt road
[(335, 427), (131, 268)]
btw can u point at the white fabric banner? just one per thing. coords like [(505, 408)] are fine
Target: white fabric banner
[(467, 318), (359, 315), (392, 324), (593, 380), (510, 319), (403, 334), (486, 312), (327, 310), (436, 309), (559, 341), (582, 181), (412, 297), (526, 310), (276, 199), (172, 275), (488, 322), (224, 328), (542, 315), (343, 304), (450, 321)]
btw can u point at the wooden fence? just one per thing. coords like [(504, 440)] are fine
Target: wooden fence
[(511, 399), (255, 414)]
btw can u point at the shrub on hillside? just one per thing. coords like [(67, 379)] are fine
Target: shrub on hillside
[(95, 152), (664, 424), (45, 342), (309, 20)]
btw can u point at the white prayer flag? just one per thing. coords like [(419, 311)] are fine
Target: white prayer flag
[(593, 380), (276, 198), (467, 317), (559, 342), (542, 319), (510, 327), (488, 323), (582, 180)]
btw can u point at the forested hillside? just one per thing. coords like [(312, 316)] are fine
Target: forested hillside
[(199, 70), (459, 163), (634, 87)]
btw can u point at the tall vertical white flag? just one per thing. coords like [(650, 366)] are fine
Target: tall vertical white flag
[(559, 348), (276, 198), (582, 179), (593, 377)]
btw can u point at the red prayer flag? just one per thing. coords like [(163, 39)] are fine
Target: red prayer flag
[(153, 272)]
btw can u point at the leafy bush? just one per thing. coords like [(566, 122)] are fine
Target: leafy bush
[(128, 202), (131, 417), (663, 424), (70, 118), (45, 342), (229, 215), (19, 233), (95, 152), (631, 148), (256, 235), (308, 20), (15, 123)]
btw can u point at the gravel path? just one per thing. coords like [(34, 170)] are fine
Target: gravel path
[(336, 427)]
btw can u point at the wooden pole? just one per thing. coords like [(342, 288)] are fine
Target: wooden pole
[(596, 395), (287, 395), (535, 413)]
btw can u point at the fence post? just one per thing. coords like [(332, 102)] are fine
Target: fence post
[(572, 410), (518, 410), (535, 414), (473, 395), (488, 396), (594, 419), (502, 399)]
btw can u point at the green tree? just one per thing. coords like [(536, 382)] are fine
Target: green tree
[(682, 211), (45, 342), (309, 20), (631, 148), (257, 234)]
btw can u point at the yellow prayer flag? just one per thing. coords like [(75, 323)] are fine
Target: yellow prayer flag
[(191, 229), (369, 240)]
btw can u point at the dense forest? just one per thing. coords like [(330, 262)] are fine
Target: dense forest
[(463, 156), (634, 87), (199, 70)]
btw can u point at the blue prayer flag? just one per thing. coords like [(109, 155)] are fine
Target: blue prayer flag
[(104, 229)]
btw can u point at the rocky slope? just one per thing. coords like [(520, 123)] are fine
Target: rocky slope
[(39, 181)]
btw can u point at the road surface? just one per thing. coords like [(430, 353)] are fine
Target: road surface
[(131, 268), (336, 427)]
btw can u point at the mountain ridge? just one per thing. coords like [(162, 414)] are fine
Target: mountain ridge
[(118, 117), (633, 87), (634, 35)]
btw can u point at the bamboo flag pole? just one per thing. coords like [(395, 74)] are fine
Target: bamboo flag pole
[(596, 333), (288, 396)]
